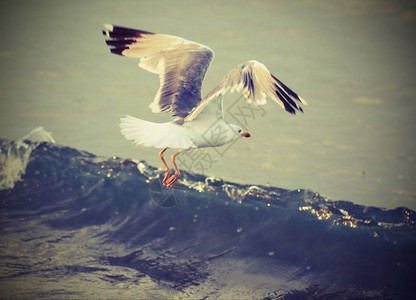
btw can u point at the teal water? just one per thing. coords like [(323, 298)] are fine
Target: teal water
[(352, 61)]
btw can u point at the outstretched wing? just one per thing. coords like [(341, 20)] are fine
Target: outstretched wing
[(181, 65), (255, 82)]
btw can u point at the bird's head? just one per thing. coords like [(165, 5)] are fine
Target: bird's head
[(243, 133), (240, 131)]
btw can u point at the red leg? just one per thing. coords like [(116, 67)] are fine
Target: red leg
[(167, 172), (171, 181)]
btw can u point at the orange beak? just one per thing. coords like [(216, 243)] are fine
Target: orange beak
[(245, 134)]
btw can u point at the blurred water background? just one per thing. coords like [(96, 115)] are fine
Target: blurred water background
[(353, 61)]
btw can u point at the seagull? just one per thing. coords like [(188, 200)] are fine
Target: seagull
[(181, 66)]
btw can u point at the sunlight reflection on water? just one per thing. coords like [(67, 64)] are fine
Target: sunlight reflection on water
[(354, 142)]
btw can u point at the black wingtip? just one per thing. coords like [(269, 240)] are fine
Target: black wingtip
[(287, 96), (118, 51), (287, 89), (289, 104), (120, 43), (289, 109), (125, 32), (121, 37)]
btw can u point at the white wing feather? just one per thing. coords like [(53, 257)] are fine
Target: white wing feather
[(180, 64), (255, 82)]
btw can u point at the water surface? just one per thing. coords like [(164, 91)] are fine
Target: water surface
[(352, 61)]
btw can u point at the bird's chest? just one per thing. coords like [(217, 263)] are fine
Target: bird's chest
[(213, 134)]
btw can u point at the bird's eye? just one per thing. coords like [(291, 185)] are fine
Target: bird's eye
[(239, 130)]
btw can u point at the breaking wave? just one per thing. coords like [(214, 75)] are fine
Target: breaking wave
[(75, 225)]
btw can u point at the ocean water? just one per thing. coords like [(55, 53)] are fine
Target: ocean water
[(79, 226), (351, 60)]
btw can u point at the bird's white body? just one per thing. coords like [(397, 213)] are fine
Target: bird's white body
[(194, 134)]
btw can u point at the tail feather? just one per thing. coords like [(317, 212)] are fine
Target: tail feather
[(158, 135)]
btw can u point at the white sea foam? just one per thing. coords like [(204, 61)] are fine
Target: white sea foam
[(15, 156)]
